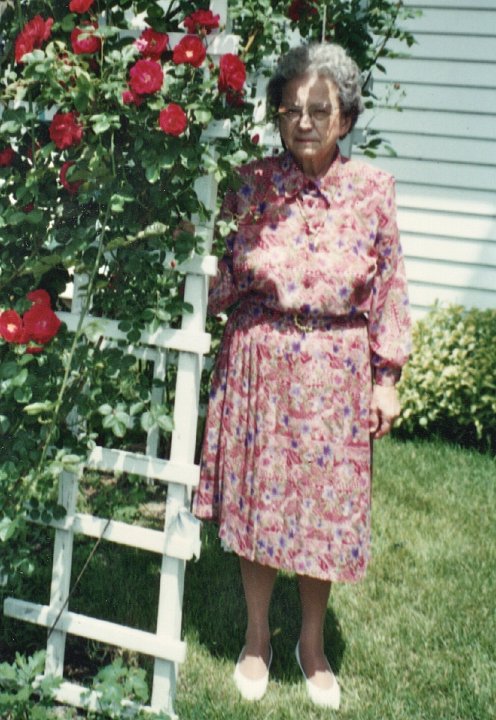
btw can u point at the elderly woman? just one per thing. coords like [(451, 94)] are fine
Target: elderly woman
[(305, 377)]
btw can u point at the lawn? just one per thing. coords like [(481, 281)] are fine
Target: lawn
[(414, 641)]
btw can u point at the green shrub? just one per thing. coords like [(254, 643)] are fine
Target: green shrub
[(449, 386)]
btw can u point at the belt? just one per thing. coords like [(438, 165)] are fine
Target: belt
[(307, 323)]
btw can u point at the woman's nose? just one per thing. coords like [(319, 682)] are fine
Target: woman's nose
[(305, 120)]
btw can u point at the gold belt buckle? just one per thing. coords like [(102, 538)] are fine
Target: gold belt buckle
[(302, 326)]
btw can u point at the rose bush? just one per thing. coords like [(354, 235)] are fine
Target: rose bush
[(101, 142)]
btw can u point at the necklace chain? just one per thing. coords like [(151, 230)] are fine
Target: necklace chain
[(312, 233)]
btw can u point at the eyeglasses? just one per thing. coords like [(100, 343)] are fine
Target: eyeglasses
[(316, 113)]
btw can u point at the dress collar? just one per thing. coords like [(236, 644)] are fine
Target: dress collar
[(291, 180)]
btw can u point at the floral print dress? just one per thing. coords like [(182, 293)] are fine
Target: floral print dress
[(316, 272)]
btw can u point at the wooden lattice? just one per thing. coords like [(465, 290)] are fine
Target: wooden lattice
[(178, 541)]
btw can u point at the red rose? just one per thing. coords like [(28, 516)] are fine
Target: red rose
[(232, 73), (71, 187), (32, 36), (190, 50), (152, 44), (129, 97), (39, 297), (28, 208), (146, 77), (65, 131), (80, 6), (301, 8), (7, 156), (173, 120), (201, 20), (41, 323), (89, 43), (11, 327)]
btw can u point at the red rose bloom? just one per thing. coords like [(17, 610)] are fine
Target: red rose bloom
[(41, 323), (301, 8), (65, 131), (232, 73), (88, 43), (7, 156), (146, 77), (201, 20), (80, 6), (71, 187), (152, 44), (190, 50), (11, 327), (39, 297), (129, 97), (173, 120), (32, 36)]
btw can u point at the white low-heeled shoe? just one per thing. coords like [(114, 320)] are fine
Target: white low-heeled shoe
[(324, 697), (251, 689)]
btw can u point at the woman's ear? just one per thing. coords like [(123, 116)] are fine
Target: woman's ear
[(344, 127)]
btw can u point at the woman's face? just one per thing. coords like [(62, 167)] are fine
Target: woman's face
[(310, 121)]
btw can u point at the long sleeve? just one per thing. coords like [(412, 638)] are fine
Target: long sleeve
[(389, 317), (223, 291)]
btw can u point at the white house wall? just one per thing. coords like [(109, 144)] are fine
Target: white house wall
[(445, 138)]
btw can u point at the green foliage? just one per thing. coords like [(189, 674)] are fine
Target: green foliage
[(24, 693), (122, 691), (449, 386)]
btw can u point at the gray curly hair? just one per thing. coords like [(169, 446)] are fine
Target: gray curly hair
[(327, 60)]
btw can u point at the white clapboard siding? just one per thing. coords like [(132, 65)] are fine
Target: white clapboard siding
[(468, 252), (450, 225), (445, 199), (439, 174), (442, 20), (448, 98), (426, 70), (445, 140), (423, 296), (469, 48), (429, 122), (445, 149), (471, 5)]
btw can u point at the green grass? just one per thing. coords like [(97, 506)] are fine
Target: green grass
[(414, 641)]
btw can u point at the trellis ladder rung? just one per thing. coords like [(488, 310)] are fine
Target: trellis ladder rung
[(109, 460), (198, 264), (99, 630), (171, 338), (121, 533)]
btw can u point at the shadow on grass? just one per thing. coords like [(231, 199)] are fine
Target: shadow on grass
[(214, 611)]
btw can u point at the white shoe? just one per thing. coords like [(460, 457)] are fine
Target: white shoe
[(251, 689), (324, 697)]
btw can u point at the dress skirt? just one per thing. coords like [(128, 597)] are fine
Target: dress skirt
[(286, 461)]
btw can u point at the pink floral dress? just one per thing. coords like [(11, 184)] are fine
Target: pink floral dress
[(316, 270)]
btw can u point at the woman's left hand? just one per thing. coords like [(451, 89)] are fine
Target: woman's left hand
[(384, 409)]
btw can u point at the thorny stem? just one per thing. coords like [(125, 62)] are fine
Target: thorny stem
[(77, 335), (386, 39)]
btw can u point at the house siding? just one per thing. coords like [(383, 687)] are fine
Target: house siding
[(445, 140)]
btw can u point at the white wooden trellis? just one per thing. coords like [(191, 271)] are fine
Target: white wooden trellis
[(179, 539)]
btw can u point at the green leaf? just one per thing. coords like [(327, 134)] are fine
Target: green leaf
[(103, 122), (37, 408), (7, 528)]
